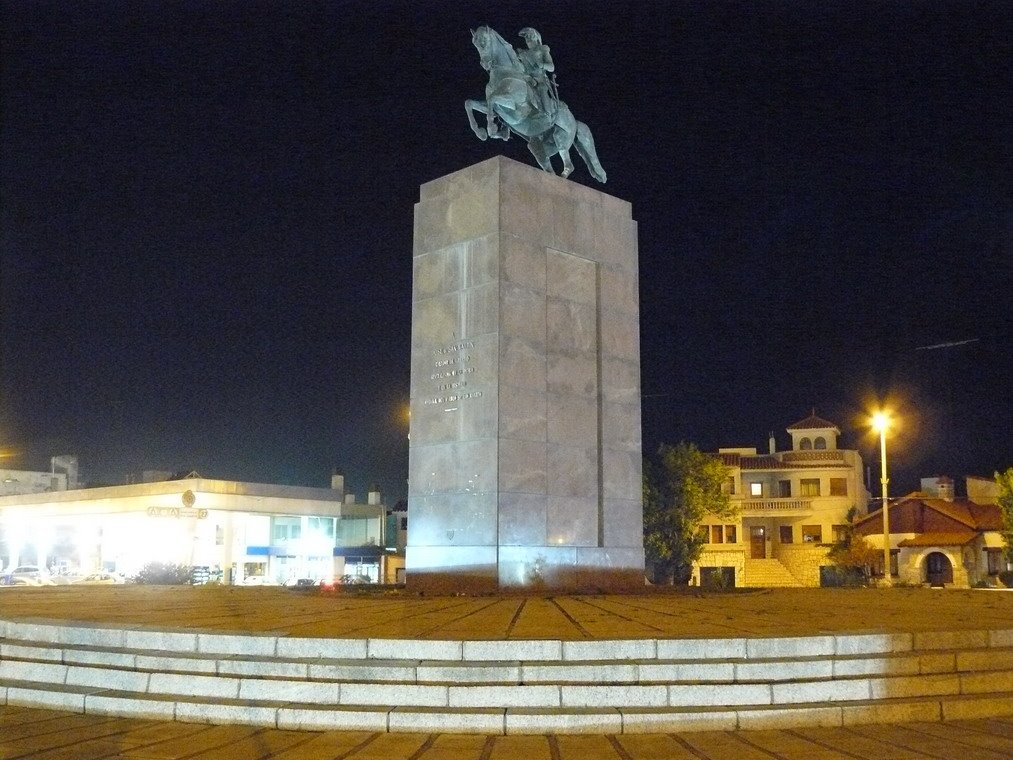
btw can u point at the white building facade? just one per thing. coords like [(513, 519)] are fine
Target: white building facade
[(238, 531), (792, 506)]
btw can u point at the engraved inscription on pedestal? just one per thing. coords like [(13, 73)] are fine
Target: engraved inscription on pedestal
[(451, 368)]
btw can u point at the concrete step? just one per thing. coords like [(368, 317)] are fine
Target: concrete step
[(216, 645), (814, 687), (768, 573), (505, 686), (504, 720), (72, 660)]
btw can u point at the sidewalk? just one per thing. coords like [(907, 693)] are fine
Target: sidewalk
[(48, 735), (376, 614)]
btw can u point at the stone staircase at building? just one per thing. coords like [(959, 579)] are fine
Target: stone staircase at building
[(497, 687), (768, 573)]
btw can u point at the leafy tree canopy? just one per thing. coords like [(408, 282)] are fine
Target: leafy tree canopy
[(682, 486), (1005, 501), (852, 554)]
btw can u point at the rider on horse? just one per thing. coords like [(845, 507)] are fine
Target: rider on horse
[(521, 98), (538, 64)]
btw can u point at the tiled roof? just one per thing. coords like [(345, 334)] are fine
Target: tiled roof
[(763, 462), (768, 462), (812, 422), (977, 517), (939, 539), (987, 516)]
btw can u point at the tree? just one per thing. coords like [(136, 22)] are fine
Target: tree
[(681, 487), (1004, 480), (853, 555)]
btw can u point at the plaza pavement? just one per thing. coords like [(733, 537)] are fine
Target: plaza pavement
[(48, 735), (397, 614)]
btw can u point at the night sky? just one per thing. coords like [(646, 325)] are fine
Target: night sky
[(207, 207)]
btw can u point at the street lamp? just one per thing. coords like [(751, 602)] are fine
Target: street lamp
[(880, 422)]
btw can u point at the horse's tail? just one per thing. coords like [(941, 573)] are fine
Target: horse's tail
[(585, 147)]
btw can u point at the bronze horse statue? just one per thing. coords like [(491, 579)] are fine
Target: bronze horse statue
[(512, 104)]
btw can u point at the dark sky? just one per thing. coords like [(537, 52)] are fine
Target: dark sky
[(207, 217)]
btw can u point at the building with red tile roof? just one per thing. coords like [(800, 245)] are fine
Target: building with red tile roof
[(939, 539), (792, 506)]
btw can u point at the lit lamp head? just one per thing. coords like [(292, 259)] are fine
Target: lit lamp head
[(880, 422)]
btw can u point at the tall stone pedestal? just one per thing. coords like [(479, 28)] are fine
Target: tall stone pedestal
[(525, 452)]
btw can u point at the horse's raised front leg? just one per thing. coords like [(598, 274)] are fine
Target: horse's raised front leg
[(495, 131), (470, 106)]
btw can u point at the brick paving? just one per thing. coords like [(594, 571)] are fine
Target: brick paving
[(378, 614), (48, 735)]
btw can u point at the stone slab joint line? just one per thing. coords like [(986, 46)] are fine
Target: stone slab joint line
[(568, 616)]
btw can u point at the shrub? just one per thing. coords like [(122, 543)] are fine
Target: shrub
[(164, 574)]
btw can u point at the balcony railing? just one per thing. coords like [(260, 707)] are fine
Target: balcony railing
[(776, 506)]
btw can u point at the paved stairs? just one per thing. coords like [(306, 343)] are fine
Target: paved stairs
[(505, 687), (768, 573)]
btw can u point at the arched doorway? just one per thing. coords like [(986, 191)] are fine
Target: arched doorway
[(938, 569)]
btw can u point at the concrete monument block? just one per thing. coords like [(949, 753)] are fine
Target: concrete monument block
[(525, 390)]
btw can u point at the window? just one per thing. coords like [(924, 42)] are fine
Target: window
[(994, 560), (286, 529), (805, 444), (717, 534), (809, 487), (322, 526), (784, 489), (812, 534), (219, 535), (704, 532), (352, 531), (820, 442), (729, 485), (404, 523), (717, 577), (838, 486), (786, 534), (756, 489), (840, 533), (731, 534)]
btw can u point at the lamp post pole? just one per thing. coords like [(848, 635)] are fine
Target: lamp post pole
[(881, 424)]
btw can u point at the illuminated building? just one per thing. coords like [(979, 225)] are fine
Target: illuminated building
[(251, 532), (792, 505), (940, 539)]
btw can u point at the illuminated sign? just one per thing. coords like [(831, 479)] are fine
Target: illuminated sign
[(177, 512)]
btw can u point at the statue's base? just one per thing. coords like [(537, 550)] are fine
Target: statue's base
[(525, 460)]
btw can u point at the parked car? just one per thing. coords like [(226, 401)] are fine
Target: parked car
[(259, 580), (27, 575), (301, 582), (101, 579), (354, 579)]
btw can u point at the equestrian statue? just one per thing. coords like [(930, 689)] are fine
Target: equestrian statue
[(520, 97)]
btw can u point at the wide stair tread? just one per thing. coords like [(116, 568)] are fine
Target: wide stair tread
[(768, 573), (548, 686)]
